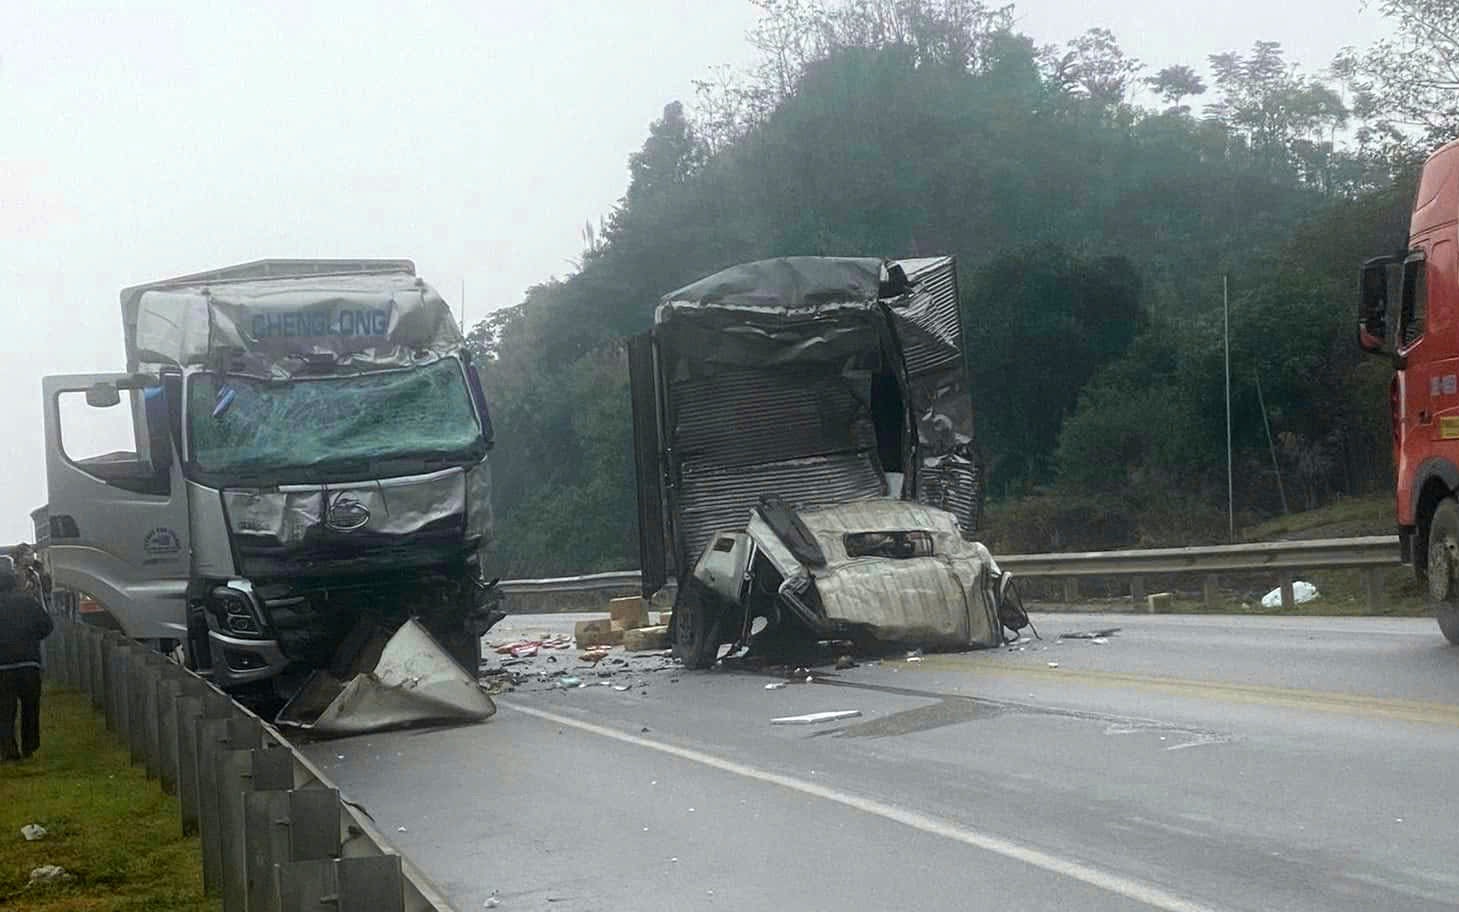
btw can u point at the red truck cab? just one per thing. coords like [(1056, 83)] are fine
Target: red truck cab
[(1409, 312)]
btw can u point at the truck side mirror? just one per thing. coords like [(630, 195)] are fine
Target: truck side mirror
[(102, 395), (1373, 329)]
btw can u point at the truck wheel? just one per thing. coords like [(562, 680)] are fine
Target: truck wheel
[(1443, 567), (694, 626)]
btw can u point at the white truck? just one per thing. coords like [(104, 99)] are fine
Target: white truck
[(309, 472)]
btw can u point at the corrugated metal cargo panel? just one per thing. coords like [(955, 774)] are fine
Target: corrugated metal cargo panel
[(746, 417), (715, 499), (929, 324), (953, 485)]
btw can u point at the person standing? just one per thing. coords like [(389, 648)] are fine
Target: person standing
[(23, 624)]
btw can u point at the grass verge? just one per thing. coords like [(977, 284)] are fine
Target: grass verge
[(115, 832)]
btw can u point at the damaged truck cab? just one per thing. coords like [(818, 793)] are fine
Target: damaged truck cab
[(803, 438), (309, 469)]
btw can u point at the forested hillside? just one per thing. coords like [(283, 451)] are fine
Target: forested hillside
[(1095, 203)]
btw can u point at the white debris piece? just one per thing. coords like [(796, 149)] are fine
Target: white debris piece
[(48, 874), (1099, 641), (1053, 664), (32, 832), (834, 715), (491, 903), (775, 685), (1302, 593)]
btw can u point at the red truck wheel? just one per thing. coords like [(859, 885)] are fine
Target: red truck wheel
[(1443, 567)]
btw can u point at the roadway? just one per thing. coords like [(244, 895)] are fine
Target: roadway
[(1185, 763)]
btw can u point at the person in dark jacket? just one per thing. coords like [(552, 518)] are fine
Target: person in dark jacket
[(23, 624)]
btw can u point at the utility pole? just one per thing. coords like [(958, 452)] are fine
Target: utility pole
[(1230, 473)]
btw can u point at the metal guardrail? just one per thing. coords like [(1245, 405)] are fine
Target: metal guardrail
[(1370, 553), (276, 835), (596, 582)]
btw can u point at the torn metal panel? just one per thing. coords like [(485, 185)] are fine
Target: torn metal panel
[(413, 682)]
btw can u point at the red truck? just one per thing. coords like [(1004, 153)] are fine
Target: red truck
[(1408, 311)]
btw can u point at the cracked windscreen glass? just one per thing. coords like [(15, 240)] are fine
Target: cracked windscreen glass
[(248, 424)]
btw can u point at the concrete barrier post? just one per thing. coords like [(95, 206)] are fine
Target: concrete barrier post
[(1373, 589)]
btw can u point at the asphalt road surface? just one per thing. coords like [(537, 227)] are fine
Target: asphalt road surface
[(1184, 763)]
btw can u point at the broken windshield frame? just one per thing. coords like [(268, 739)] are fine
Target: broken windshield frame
[(247, 430)]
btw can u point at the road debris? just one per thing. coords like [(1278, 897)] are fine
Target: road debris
[(1302, 593), (1053, 664), (32, 832), (646, 639), (775, 685), (1099, 641), (491, 903), (598, 632), (845, 662), (405, 679), (568, 681), (817, 718), (46, 874), (1103, 633)]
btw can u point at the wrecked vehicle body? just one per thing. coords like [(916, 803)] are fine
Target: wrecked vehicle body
[(804, 451), (307, 471)]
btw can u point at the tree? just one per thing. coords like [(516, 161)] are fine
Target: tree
[(1174, 83), (1407, 87)]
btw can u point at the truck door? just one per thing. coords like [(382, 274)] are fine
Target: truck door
[(655, 535), (118, 508)]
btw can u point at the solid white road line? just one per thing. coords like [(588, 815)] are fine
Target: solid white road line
[(1150, 895)]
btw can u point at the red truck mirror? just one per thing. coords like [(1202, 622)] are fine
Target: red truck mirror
[(1373, 325)]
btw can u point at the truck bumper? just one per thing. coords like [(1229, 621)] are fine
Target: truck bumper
[(238, 661)]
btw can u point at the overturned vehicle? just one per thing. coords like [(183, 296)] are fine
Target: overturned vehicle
[(803, 441)]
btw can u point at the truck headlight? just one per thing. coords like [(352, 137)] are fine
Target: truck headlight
[(235, 613)]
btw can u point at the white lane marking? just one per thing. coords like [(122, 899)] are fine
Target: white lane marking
[(1150, 895)]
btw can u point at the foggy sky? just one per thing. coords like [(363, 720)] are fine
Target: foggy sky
[(141, 141)]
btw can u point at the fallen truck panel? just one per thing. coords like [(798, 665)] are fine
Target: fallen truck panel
[(414, 682)]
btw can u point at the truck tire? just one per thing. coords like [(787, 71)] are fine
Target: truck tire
[(694, 625), (1442, 563)]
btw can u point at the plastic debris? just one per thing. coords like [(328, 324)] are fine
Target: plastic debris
[(1099, 641), (621, 687), (775, 685), (1053, 664), (914, 658), (525, 652), (491, 903), (401, 830), (1302, 593), (32, 832), (568, 681), (834, 715), (48, 874), (914, 654)]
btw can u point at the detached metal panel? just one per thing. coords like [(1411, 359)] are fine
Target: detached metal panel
[(654, 550)]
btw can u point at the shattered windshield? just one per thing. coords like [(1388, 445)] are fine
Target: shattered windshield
[(243, 424)]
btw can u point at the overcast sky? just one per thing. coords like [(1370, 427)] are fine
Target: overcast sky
[(144, 140)]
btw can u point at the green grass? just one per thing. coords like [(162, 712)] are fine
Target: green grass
[(1351, 516), (111, 828)]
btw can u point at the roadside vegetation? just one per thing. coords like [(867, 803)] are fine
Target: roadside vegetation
[(1096, 203), (114, 832)]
